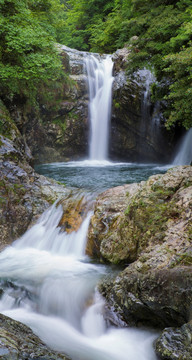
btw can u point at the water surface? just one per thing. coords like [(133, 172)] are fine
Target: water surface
[(96, 176)]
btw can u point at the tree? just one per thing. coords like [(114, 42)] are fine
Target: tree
[(28, 54)]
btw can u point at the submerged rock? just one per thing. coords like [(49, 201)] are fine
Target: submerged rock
[(17, 342)]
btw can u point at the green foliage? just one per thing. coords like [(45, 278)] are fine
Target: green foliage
[(28, 55), (157, 31)]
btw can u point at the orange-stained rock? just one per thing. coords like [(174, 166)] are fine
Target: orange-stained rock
[(74, 212)]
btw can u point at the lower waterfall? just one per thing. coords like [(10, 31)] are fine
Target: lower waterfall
[(50, 285)]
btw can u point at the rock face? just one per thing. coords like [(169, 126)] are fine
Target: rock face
[(137, 127), (147, 226), (24, 195), (17, 342), (58, 129)]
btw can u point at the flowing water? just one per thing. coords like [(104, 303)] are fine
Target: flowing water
[(50, 285), (100, 81)]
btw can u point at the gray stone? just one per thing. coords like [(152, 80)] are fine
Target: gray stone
[(17, 342), (175, 343)]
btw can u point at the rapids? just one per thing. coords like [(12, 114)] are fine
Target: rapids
[(50, 285)]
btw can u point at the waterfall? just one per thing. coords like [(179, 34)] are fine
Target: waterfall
[(100, 97), (145, 78), (184, 155), (49, 284)]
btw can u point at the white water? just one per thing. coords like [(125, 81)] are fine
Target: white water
[(100, 96), (55, 294), (184, 154)]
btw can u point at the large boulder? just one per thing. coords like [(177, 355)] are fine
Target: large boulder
[(151, 231)]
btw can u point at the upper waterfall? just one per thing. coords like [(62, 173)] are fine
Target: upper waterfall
[(100, 81)]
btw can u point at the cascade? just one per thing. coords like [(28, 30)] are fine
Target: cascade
[(54, 292), (184, 154), (100, 81)]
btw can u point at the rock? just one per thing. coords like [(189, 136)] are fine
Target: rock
[(17, 342), (147, 226), (157, 298), (149, 216), (24, 194), (137, 126), (106, 238), (58, 129), (75, 209), (175, 344)]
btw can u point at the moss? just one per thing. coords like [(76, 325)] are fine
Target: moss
[(61, 122), (149, 212), (116, 104), (7, 125), (11, 193), (182, 259)]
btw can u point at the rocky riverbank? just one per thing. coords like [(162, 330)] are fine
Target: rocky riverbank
[(147, 228)]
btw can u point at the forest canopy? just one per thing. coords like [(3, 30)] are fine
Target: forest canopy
[(28, 55), (159, 33)]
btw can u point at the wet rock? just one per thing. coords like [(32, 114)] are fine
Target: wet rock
[(175, 343), (75, 209), (17, 342)]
